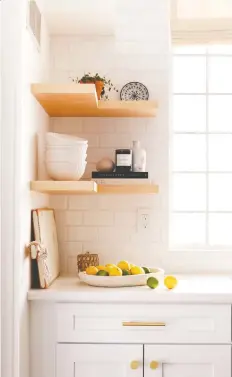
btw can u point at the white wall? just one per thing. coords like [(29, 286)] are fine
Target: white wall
[(138, 52), (35, 121)]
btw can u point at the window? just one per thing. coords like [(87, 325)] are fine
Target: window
[(201, 199)]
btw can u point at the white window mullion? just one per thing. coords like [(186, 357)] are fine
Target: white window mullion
[(207, 150)]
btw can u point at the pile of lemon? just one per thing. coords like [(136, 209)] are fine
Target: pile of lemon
[(123, 268)]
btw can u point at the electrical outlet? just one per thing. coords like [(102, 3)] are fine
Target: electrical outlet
[(143, 219)]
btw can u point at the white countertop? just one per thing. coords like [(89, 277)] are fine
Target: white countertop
[(191, 289)]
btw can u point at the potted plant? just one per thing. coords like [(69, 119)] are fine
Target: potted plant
[(102, 84)]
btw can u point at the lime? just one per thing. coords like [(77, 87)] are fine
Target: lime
[(102, 273), (125, 272), (147, 270), (152, 282)]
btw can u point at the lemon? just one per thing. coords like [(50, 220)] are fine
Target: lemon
[(136, 270), (102, 273), (111, 265), (170, 282), (146, 270), (124, 265), (125, 272), (152, 282), (115, 271), (109, 268), (101, 268), (91, 270)]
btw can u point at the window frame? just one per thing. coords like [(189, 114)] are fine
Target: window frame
[(207, 94)]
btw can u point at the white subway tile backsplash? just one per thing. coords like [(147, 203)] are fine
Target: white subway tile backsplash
[(126, 219), (101, 218), (98, 125), (73, 218), (107, 224), (81, 233), (121, 141), (58, 201), (114, 234), (96, 154), (67, 125), (72, 266), (88, 171), (82, 202), (71, 248), (93, 139)]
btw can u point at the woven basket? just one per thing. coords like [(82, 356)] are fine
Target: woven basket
[(86, 260)]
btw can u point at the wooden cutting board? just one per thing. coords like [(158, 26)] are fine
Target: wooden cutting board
[(45, 233)]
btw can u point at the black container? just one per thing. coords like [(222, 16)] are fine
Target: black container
[(123, 160)]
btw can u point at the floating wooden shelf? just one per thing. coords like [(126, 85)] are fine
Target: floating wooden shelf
[(80, 100), (64, 187), (90, 187), (147, 188)]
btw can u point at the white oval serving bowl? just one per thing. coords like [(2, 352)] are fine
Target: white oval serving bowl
[(121, 281)]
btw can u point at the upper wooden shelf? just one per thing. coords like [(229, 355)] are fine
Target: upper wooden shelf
[(90, 187), (80, 100)]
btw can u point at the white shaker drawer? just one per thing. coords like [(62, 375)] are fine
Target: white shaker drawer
[(149, 323)]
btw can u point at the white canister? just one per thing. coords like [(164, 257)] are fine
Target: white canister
[(139, 156)]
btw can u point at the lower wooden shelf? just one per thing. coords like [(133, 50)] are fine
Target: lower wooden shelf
[(64, 187), (90, 187), (128, 189)]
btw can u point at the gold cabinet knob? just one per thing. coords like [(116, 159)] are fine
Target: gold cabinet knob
[(134, 364), (154, 364)]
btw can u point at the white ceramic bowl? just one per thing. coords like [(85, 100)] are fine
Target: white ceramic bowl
[(121, 281), (65, 155), (65, 171), (55, 139)]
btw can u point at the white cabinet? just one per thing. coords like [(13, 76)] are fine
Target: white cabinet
[(187, 361), (102, 340), (99, 360), (104, 360)]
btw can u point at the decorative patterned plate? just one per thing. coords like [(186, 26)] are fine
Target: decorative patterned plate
[(134, 91)]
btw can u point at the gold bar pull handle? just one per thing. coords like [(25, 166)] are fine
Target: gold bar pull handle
[(144, 324)]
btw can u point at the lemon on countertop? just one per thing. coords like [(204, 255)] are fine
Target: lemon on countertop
[(136, 270), (91, 270), (124, 265), (115, 271), (170, 282)]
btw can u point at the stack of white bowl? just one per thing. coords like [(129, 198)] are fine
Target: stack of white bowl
[(65, 156)]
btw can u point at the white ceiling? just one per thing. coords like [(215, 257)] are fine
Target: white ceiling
[(88, 17)]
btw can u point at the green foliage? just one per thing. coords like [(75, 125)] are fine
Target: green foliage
[(88, 78)]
